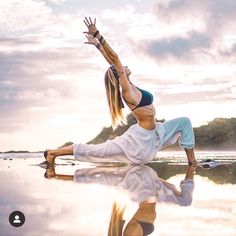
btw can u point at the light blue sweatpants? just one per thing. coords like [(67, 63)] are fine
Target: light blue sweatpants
[(179, 128), (138, 145)]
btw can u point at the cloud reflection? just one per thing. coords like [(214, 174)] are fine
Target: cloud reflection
[(84, 208), (142, 185)]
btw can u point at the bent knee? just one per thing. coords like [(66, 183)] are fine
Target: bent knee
[(186, 121)]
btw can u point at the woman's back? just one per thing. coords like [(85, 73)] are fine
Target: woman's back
[(140, 103)]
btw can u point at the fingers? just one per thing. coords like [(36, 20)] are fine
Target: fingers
[(90, 39), (89, 36), (89, 22), (88, 43), (87, 32), (86, 23)]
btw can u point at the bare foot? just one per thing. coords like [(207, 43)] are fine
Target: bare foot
[(50, 158)]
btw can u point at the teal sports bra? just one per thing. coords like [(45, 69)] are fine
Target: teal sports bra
[(147, 99)]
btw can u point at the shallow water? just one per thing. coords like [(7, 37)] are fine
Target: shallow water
[(83, 206)]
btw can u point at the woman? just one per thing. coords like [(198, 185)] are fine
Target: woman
[(142, 139)]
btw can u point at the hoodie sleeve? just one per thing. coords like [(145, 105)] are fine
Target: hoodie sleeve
[(167, 192), (187, 187)]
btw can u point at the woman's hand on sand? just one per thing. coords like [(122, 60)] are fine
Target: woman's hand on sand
[(91, 25), (91, 39)]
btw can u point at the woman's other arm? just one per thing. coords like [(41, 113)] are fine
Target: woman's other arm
[(95, 42)]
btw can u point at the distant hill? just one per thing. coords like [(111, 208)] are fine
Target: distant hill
[(219, 134), (16, 152)]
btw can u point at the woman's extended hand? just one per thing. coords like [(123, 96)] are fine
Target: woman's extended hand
[(91, 39), (91, 25)]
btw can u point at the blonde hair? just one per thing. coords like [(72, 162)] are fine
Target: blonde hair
[(114, 99), (116, 222)]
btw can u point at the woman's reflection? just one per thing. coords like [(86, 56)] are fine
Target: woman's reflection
[(143, 186)]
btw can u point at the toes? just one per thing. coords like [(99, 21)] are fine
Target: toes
[(45, 154), (49, 160)]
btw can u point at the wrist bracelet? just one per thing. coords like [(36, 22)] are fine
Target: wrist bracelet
[(95, 34), (98, 46), (102, 40), (193, 163)]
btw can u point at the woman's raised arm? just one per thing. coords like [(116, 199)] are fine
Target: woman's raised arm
[(94, 36), (92, 30)]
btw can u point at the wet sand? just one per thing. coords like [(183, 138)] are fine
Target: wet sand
[(59, 207)]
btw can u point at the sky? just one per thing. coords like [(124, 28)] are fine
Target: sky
[(52, 84)]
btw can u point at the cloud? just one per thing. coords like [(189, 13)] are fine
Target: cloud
[(21, 16), (37, 19), (57, 2), (17, 41), (204, 90), (43, 79), (203, 27), (229, 53), (46, 69), (220, 96), (217, 13), (178, 47)]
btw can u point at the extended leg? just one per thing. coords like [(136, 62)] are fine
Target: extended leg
[(88, 152), (108, 151)]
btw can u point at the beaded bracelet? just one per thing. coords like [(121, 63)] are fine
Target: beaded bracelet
[(102, 40), (95, 34), (193, 163)]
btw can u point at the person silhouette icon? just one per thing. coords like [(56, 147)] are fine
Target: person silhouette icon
[(17, 220)]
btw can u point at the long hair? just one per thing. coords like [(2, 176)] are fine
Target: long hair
[(116, 222), (113, 97)]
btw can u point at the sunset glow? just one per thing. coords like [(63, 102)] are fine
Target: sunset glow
[(51, 83)]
